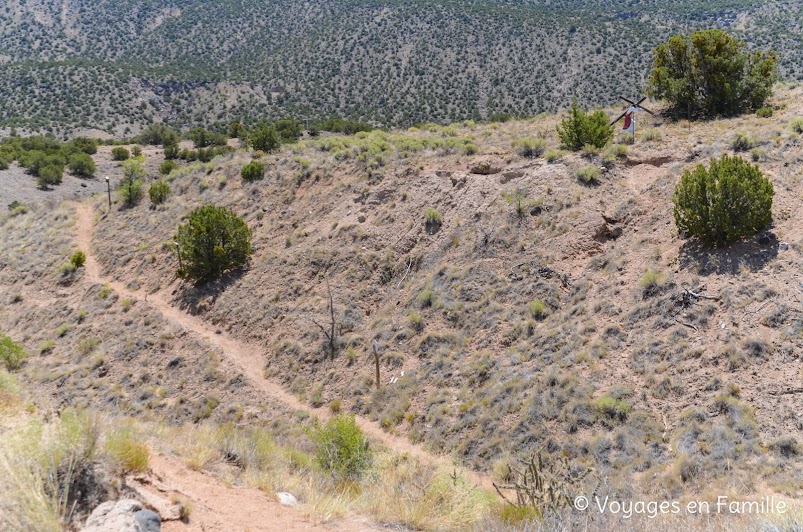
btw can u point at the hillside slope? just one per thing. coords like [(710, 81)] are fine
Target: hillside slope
[(71, 65), (665, 367)]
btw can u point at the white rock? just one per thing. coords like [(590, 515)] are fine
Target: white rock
[(286, 499)]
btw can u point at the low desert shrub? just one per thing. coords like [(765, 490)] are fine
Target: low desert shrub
[(581, 128), (253, 171), (341, 448), (743, 142), (530, 146), (727, 201), (78, 259), (11, 353), (159, 192), (120, 154), (587, 175)]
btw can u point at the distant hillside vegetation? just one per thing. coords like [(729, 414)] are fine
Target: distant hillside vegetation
[(70, 65)]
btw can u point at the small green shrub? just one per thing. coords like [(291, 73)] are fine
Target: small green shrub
[(727, 201), (651, 135), (426, 298), (587, 175), (611, 408), (416, 321), (652, 283), (11, 353), (214, 240), (341, 448), (758, 154), (797, 125), (743, 142), (432, 220), (120, 154), (253, 171), (78, 259), (537, 309), (554, 155), (581, 128), (764, 112), (787, 446), (136, 150), (530, 146), (159, 192), (167, 166), (518, 200)]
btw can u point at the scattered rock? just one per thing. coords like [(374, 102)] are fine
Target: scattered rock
[(485, 168), (536, 210), (458, 181), (286, 499), (126, 515), (783, 246), (361, 218), (508, 176), (443, 173)]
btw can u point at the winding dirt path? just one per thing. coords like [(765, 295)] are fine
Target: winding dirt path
[(247, 357)]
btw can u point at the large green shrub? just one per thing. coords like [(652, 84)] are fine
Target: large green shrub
[(253, 171), (265, 138), (11, 353), (82, 165), (157, 134), (581, 128), (709, 73), (49, 175), (724, 202), (341, 447), (212, 241)]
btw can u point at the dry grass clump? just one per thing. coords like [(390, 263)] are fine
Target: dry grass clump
[(40, 467)]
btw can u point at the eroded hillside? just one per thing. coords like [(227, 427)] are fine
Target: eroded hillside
[(586, 327)]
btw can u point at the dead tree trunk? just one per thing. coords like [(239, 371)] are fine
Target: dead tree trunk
[(375, 349), (329, 332)]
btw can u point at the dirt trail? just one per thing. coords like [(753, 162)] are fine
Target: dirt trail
[(247, 357), (216, 506)]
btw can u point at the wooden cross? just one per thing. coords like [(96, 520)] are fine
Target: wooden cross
[(630, 122)]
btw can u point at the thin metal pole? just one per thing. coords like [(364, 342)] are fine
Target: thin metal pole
[(109, 192)]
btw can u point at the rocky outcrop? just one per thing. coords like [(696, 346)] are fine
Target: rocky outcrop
[(126, 515)]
